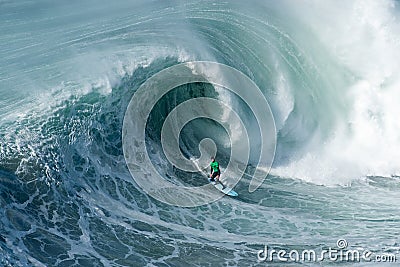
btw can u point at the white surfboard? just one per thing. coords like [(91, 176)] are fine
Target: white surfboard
[(224, 189)]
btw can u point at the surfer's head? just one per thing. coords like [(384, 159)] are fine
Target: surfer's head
[(212, 159)]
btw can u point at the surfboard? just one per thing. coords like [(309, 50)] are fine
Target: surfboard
[(225, 190)]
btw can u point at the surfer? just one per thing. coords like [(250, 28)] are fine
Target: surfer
[(215, 172)]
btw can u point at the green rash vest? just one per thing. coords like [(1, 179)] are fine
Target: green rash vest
[(215, 166)]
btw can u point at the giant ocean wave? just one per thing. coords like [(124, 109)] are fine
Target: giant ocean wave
[(68, 70)]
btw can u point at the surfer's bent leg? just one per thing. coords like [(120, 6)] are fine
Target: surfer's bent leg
[(217, 175)]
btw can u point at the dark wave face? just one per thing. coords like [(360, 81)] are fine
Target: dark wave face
[(68, 71)]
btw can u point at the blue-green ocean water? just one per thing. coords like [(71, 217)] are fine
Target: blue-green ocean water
[(68, 70)]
